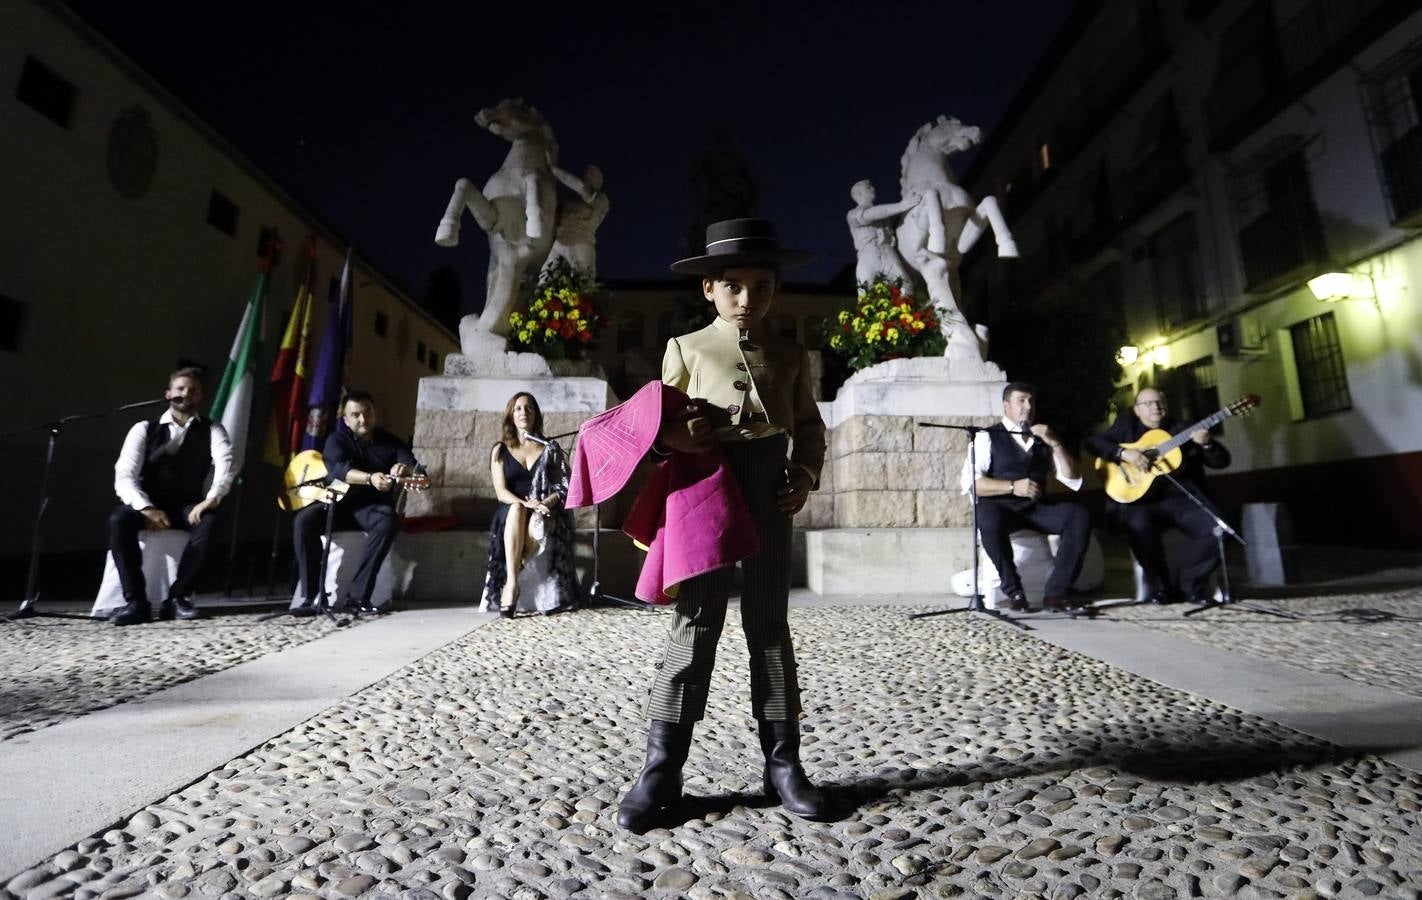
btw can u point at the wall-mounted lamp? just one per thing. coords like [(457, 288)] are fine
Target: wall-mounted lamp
[(1128, 354), (1333, 286), (1161, 356)]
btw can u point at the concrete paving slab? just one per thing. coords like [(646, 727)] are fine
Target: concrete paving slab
[(1344, 712), (79, 777)]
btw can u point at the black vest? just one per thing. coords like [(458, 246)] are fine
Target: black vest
[(176, 480), (1010, 462)]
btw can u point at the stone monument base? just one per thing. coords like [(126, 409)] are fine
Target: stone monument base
[(459, 417)]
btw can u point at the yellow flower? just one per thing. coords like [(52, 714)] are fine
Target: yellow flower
[(548, 332), (523, 336), (892, 334), (917, 326), (574, 315), (515, 319), (557, 314), (843, 316)]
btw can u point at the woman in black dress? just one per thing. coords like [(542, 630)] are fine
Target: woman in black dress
[(530, 529)]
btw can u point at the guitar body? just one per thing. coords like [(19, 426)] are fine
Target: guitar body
[(307, 465), (1126, 483)]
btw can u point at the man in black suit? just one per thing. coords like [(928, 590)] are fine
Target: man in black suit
[(1163, 506), (162, 480), (369, 459), (1015, 456)]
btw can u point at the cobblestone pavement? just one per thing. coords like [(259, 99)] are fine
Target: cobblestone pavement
[(1373, 638), (56, 669), (964, 758)]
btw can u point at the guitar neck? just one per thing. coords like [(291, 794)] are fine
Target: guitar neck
[(1204, 424)]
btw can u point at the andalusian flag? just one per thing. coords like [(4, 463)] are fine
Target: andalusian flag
[(288, 381), (232, 403), (329, 377)]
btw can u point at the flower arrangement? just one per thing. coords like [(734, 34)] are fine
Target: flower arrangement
[(884, 322), (561, 316)]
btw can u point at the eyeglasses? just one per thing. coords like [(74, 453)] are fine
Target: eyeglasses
[(1156, 403)]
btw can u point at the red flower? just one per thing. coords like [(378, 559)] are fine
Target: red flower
[(585, 336), (555, 305)]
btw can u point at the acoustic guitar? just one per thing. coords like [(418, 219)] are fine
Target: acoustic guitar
[(308, 467), (1126, 484)]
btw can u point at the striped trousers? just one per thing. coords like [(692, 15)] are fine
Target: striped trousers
[(683, 675)]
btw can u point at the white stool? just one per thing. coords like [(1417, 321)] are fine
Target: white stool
[(1032, 553), (1174, 541), (161, 551), (390, 582)]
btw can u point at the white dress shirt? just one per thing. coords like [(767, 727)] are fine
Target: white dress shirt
[(984, 457), (130, 462)]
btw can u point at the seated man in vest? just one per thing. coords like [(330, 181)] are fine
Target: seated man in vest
[(367, 458), (161, 477), (1014, 458), (1164, 506)]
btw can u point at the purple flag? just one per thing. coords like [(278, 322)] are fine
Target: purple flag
[(329, 377)]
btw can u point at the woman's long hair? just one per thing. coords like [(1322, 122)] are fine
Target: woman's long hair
[(511, 435)]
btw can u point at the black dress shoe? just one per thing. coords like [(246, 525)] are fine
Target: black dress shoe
[(305, 611), (1056, 603), (179, 608), (133, 614)]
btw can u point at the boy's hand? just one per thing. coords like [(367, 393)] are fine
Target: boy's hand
[(791, 498), (689, 432)]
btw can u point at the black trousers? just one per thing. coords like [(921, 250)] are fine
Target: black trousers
[(1145, 523), (998, 518), (379, 521), (124, 525)]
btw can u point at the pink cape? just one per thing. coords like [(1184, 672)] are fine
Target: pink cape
[(691, 516)]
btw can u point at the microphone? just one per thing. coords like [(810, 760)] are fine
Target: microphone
[(143, 403), (525, 436), (1027, 432)]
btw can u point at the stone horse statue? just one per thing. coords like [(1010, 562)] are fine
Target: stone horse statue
[(516, 208), (944, 224)]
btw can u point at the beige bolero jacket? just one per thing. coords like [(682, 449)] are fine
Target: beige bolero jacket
[(716, 365)]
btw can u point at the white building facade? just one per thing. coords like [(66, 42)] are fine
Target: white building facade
[(130, 247), (1192, 166)]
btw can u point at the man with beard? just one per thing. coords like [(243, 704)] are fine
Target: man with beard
[(162, 477), (369, 459)]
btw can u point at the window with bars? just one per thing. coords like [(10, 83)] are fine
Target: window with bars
[(1318, 360), (1194, 389), (1392, 99), (1180, 291), (1280, 232)]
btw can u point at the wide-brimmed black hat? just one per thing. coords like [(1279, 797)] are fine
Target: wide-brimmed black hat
[(741, 242)]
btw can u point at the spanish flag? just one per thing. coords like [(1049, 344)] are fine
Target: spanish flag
[(288, 381)]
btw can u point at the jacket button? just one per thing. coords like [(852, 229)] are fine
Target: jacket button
[(733, 409), (741, 366), (739, 385)]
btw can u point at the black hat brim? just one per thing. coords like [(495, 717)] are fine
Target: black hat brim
[(717, 262)]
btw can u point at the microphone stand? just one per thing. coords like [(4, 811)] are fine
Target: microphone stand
[(323, 600), (1221, 529), (595, 593), (27, 608), (975, 603)]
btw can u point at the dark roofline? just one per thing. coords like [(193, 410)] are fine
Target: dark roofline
[(1046, 67), (129, 66)]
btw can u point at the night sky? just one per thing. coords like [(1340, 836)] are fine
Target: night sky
[(364, 111)]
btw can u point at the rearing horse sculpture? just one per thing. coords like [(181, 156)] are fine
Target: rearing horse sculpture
[(945, 224), (516, 208)]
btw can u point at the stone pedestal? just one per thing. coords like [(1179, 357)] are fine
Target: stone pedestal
[(883, 469), (459, 417)]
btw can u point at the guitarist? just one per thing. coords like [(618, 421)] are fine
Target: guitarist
[(1163, 506), (365, 457)]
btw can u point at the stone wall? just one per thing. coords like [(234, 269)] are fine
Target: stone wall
[(886, 472)]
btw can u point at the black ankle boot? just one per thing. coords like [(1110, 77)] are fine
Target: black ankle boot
[(135, 613), (659, 786), (784, 776)]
